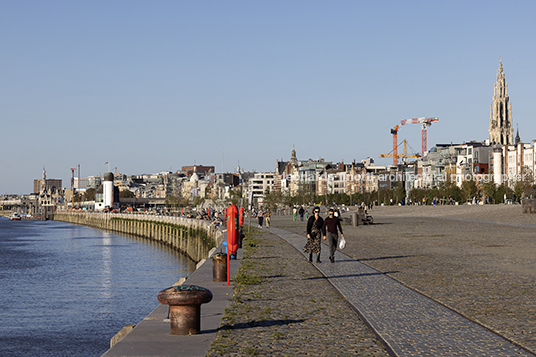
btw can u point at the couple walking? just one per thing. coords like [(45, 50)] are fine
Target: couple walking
[(316, 227)]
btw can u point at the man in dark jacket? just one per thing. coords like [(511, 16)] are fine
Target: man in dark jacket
[(301, 212), (331, 224)]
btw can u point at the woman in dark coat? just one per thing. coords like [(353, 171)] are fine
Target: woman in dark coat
[(314, 234)]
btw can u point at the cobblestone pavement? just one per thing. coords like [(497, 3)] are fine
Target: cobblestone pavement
[(478, 260), (284, 307)]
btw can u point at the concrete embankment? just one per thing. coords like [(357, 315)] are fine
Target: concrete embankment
[(193, 237)]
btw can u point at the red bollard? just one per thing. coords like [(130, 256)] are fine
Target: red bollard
[(232, 229), (241, 215), (232, 237)]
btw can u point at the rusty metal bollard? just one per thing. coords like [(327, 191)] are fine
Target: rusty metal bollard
[(185, 307), (219, 267)]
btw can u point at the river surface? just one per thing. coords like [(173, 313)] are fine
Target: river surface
[(66, 290)]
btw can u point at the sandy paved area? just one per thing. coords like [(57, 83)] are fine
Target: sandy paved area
[(478, 260)]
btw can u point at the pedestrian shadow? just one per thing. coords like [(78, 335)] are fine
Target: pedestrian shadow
[(251, 324), (385, 258), (272, 276), (353, 275)]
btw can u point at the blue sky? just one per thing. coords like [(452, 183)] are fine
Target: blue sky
[(153, 86)]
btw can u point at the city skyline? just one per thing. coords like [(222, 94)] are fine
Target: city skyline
[(148, 88)]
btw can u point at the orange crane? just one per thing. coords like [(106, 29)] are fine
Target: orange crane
[(404, 154), (394, 131), (425, 122), (394, 153)]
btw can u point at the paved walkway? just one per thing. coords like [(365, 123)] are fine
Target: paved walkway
[(409, 323)]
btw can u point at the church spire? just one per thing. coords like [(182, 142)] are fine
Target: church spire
[(293, 158), (501, 129)]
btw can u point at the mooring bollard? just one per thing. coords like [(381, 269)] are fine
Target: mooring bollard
[(219, 267), (185, 307)]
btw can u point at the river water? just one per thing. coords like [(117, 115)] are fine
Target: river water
[(66, 290)]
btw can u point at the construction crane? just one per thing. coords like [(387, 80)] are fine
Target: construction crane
[(72, 188), (404, 154), (426, 122), (394, 131), (394, 153)]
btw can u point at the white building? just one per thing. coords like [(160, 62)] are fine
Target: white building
[(260, 183), (512, 162)]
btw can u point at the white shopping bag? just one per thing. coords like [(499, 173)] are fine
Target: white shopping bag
[(342, 243)]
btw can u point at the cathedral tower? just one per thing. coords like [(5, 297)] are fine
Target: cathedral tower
[(293, 158), (501, 130)]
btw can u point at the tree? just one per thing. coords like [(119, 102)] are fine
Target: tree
[(469, 190), (198, 201), (235, 196), (126, 194), (502, 190), (417, 195), (272, 200), (525, 184), (490, 189), (172, 201), (89, 195), (303, 196), (177, 201), (399, 193), (450, 190)]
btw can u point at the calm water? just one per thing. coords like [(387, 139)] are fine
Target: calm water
[(65, 290)]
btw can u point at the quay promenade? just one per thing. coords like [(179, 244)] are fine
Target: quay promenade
[(474, 262)]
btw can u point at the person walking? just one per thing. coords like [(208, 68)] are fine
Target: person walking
[(314, 232), (267, 217), (301, 212), (294, 211), (330, 225), (261, 218)]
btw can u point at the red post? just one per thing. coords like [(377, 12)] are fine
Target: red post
[(228, 264), (241, 215)]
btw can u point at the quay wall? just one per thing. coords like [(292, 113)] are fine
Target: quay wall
[(193, 237)]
